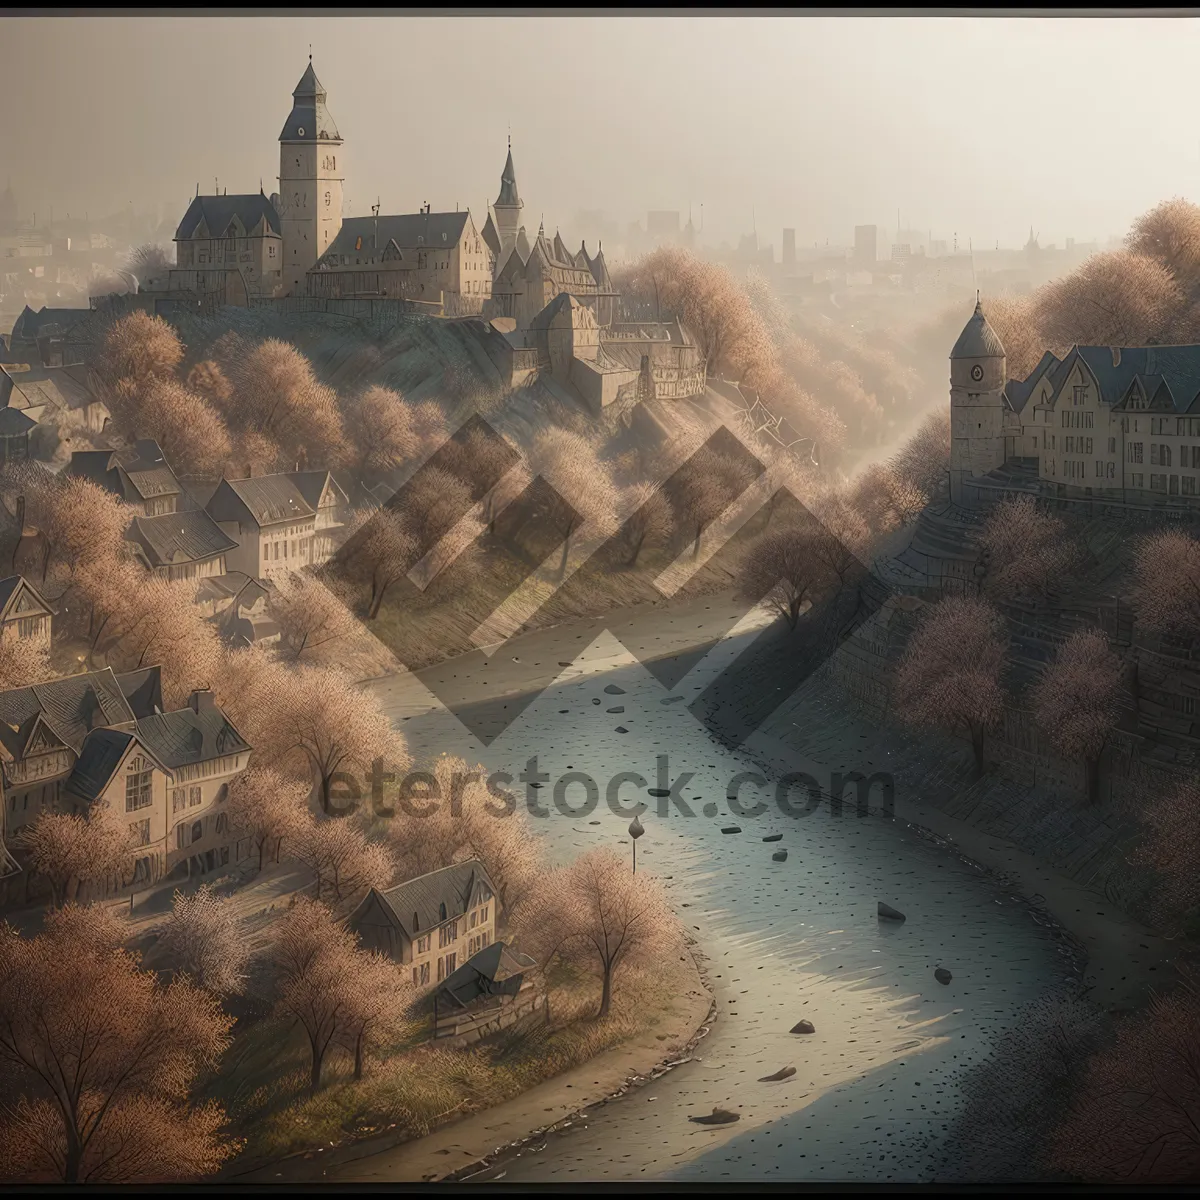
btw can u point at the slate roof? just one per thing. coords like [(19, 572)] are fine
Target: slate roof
[(99, 757), (228, 586), (496, 970), (1173, 371), (508, 183), (180, 738), (309, 120), (978, 339), (143, 463), (311, 485), (180, 537), (216, 213), (142, 690), (490, 236), (424, 896), (410, 231), (30, 324), (267, 499), (13, 422), (71, 707)]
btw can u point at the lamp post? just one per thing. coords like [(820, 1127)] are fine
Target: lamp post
[(635, 831)]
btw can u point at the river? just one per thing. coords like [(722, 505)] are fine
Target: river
[(874, 1091)]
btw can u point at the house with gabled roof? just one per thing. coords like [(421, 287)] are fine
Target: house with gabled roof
[(271, 522), (139, 474), (424, 256), (222, 234), (181, 545), (1103, 424), (49, 394), (169, 775), (326, 497), (24, 611), (43, 728), (432, 923)]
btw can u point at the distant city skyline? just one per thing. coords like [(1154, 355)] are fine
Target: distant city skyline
[(821, 123)]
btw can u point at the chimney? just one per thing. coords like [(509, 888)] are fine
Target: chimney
[(202, 700)]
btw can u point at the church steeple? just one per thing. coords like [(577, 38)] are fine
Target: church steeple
[(509, 197)]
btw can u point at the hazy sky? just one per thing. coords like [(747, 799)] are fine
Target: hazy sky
[(974, 126)]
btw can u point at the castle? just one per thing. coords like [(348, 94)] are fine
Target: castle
[(557, 313), (1103, 427)]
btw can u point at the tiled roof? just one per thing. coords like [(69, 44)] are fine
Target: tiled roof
[(181, 537), (311, 485), (217, 212), (13, 422), (424, 896), (180, 738), (1116, 369), (56, 388), (30, 324), (142, 690), (268, 499), (142, 463), (978, 339), (490, 236), (8, 593)]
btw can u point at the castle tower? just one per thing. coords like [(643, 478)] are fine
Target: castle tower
[(977, 378), (310, 181), (507, 209)]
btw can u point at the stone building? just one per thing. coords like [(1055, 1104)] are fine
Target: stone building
[(425, 256), (271, 522), (223, 234), (1103, 426), (432, 923)]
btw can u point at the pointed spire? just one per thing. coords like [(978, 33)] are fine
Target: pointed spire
[(508, 182)]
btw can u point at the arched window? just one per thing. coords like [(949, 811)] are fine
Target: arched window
[(442, 910), (416, 923), (197, 831)]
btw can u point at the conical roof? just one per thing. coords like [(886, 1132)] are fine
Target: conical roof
[(978, 339), (309, 120), (508, 184)]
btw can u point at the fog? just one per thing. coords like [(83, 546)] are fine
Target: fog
[(972, 127)]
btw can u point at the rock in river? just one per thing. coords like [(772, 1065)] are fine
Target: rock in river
[(616, 708), (779, 856), (942, 975), (731, 829), (888, 913), (718, 1116), (782, 1073), (803, 1027), (613, 690), (773, 837)]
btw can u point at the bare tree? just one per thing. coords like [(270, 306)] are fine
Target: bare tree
[(598, 914), (1170, 234), (100, 1057), (1172, 848), (924, 460), (378, 1012), (268, 808), (201, 940), (784, 573), (312, 620), (136, 349), (381, 429), (1077, 701), (343, 862), (380, 548), (650, 519), (949, 677)]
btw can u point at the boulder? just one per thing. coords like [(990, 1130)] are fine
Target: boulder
[(803, 1027), (773, 837), (942, 975), (613, 690), (888, 913), (731, 829), (616, 708), (779, 856), (718, 1116), (622, 729), (782, 1073)]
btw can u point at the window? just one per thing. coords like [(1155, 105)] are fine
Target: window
[(141, 831), (1133, 452), (195, 795), (1137, 480), (181, 836), (1079, 395), (1158, 483), (423, 944), (178, 799), (425, 972), (483, 912), (197, 830), (1110, 470), (474, 919), (442, 911), (138, 785), (222, 823), (1112, 445), (1189, 485)]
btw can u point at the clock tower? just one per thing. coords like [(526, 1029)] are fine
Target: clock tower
[(310, 182), (977, 379)]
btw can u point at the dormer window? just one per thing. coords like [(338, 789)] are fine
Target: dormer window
[(442, 911)]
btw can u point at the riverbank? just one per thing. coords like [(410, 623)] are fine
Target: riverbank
[(468, 1143)]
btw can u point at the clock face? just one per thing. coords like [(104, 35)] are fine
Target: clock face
[(977, 372)]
